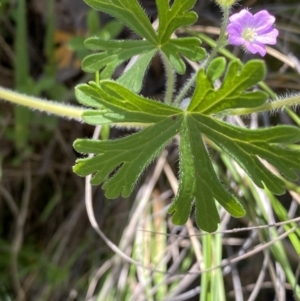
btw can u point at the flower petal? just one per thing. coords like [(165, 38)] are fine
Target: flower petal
[(256, 47), (236, 40), (263, 21), (269, 38), (253, 32), (244, 18), (234, 29)]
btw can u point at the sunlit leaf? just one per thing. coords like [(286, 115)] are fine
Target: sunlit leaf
[(133, 78), (119, 163), (130, 13), (113, 53), (118, 104), (186, 47), (232, 93), (216, 68)]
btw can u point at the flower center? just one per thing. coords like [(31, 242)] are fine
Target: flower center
[(249, 34)]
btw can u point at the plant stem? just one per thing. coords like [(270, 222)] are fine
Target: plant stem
[(170, 82), (35, 103), (274, 105), (56, 108), (219, 45), (185, 89), (222, 39)]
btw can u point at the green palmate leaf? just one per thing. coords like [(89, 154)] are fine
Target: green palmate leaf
[(232, 93), (170, 19), (113, 53), (119, 163)]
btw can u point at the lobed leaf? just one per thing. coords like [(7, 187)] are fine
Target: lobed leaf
[(132, 79), (118, 104), (207, 100), (130, 13), (96, 43), (129, 155), (198, 181), (187, 47), (247, 146), (174, 17), (114, 53), (216, 69), (119, 163)]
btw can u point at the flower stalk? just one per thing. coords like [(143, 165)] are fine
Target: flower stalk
[(222, 41)]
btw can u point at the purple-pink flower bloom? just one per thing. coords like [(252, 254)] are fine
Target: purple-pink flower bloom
[(252, 31)]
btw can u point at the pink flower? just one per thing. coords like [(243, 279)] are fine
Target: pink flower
[(252, 31)]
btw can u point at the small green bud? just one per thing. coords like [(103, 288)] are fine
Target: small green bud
[(226, 3)]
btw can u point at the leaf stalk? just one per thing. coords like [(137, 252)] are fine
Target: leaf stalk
[(170, 82), (51, 107), (269, 106)]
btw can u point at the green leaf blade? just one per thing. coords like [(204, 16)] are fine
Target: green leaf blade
[(182, 203), (118, 104), (187, 47), (130, 13), (133, 78), (216, 69), (247, 146), (96, 43), (172, 18), (131, 155), (198, 179), (101, 117), (113, 54), (208, 100)]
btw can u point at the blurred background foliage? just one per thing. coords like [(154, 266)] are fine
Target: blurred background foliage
[(48, 249)]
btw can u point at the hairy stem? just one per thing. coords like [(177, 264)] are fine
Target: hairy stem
[(185, 89), (42, 105), (222, 37), (52, 107), (170, 82), (274, 105)]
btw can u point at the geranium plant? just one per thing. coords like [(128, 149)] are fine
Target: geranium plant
[(199, 119)]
